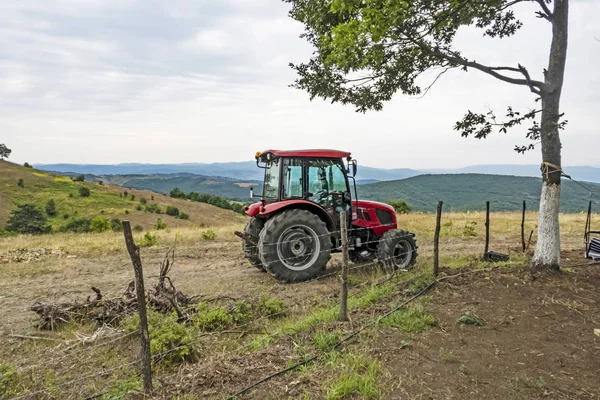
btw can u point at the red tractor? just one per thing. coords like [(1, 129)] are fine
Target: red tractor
[(296, 226)]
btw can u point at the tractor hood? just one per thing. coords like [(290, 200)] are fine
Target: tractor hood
[(253, 209), (372, 205)]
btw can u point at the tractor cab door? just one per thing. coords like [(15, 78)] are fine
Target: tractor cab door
[(327, 186)]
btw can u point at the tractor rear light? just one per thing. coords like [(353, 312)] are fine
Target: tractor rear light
[(262, 209), (246, 208)]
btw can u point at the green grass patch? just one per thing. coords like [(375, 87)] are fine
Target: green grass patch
[(325, 340), (413, 320), (470, 318), (360, 378), (122, 388)]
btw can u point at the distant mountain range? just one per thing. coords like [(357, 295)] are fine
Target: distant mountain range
[(247, 170)]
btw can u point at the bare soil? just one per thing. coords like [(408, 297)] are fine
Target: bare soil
[(537, 340)]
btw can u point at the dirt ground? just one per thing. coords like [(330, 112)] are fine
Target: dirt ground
[(537, 339)]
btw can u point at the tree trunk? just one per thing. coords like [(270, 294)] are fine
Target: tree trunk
[(547, 251)]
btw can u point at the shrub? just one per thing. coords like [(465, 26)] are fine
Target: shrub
[(271, 306), (27, 165), (10, 380), (139, 207), (400, 206), (172, 211), (208, 234), (66, 216), (21, 182), (138, 228), (177, 193), (79, 178), (183, 215), (126, 211), (100, 224), (27, 219), (216, 319), (143, 200), (241, 312), (80, 225), (160, 224), (116, 225), (125, 193), (170, 341), (84, 192), (469, 229), (153, 208), (149, 240), (132, 197), (100, 183), (152, 197), (51, 208), (70, 194)]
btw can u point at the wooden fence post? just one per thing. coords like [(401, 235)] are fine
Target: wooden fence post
[(436, 239), (487, 228), (344, 293), (523, 226), (134, 253)]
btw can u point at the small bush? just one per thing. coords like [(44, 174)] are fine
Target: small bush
[(216, 319), (132, 197), (183, 215), (126, 211), (100, 224), (51, 208), (84, 192), (21, 182), (79, 178), (10, 380), (241, 312), (172, 211), (270, 306), (325, 340), (116, 225), (469, 229), (400, 206), (80, 225), (149, 240), (139, 207), (160, 224), (138, 228), (152, 197), (27, 165), (170, 341), (71, 195), (100, 183), (27, 219), (153, 208), (209, 234), (469, 318), (143, 200), (66, 216), (125, 193)]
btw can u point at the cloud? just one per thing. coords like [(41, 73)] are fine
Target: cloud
[(183, 81)]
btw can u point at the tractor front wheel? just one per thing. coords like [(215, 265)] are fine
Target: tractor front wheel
[(397, 249), (250, 241), (295, 245)]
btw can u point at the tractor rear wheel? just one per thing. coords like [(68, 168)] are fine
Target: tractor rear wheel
[(295, 245), (250, 242), (397, 249), (361, 256)]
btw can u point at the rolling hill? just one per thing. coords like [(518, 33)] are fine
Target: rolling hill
[(108, 200), (462, 192)]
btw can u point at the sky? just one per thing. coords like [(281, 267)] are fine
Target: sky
[(154, 81)]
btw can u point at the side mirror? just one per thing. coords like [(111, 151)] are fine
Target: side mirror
[(251, 192), (348, 197), (354, 169)]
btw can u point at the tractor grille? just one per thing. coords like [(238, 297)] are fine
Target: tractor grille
[(385, 217)]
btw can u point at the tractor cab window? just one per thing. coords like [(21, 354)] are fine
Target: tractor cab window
[(271, 188), (292, 178), (325, 177)]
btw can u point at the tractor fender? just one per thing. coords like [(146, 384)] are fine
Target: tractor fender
[(270, 209)]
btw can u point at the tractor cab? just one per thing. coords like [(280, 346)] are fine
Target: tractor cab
[(296, 225)]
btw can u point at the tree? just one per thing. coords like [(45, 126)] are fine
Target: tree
[(79, 178), (84, 192), (27, 219), (51, 208), (400, 206), (172, 211), (4, 151), (368, 50), (100, 224)]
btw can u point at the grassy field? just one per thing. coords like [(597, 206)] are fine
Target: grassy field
[(110, 201), (252, 325)]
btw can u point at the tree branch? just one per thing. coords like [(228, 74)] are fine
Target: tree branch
[(547, 13)]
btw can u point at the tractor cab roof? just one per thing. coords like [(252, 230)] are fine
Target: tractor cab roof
[(312, 153)]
